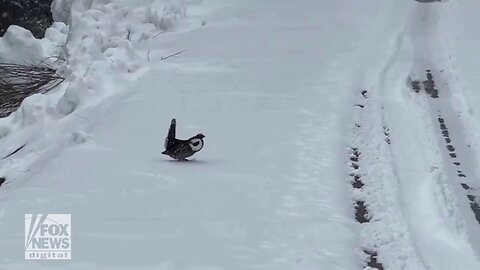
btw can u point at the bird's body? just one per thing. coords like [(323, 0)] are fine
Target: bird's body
[(181, 149)]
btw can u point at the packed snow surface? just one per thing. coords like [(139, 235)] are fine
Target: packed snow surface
[(284, 92)]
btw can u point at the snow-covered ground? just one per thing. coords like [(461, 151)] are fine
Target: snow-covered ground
[(283, 92)]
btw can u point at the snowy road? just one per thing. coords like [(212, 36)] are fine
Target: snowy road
[(293, 145), (443, 225)]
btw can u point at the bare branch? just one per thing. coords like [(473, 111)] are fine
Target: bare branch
[(159, 34), (20, 81), (129, 32), (171, 55)]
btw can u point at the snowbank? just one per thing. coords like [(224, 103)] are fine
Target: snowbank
[(101, 40), (93, 52)]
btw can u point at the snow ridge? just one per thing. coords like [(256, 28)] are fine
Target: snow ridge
[(384, 231), (425, 179)]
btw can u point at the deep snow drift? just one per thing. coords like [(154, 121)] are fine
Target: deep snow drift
[(277, 90)]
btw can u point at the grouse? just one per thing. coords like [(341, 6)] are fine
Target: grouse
[(181, 149)]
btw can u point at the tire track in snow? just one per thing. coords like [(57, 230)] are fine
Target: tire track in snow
[(449, 225), (451, 151), (386, 242), (361, 211), (433, 208), (457, 157), (474, 201)]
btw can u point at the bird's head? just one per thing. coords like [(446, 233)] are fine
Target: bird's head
[(198, 136), (196, 142)]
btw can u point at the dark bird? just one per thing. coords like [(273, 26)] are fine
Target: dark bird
[(181, 149)]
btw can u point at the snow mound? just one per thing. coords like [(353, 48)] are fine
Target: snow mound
[(61, 10), (102, 39), (19, 46), (98, 47)]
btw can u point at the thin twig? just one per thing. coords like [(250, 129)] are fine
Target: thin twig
[(171, 55), (128, 34), (20, 81), (14, 152), (159, 34), (84, 118)]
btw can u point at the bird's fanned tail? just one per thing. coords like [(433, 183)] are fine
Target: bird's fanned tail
[(170, 136)]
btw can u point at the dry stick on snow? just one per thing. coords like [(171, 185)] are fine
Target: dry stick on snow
[(14, 152), (44, 61), (82, 117), (128, 34), (171, 55), (159, 34)]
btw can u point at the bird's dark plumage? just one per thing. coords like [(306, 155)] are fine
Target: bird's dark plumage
[(181, 149)]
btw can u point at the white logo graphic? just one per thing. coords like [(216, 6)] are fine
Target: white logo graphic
[(48, 237)]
